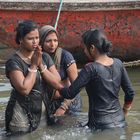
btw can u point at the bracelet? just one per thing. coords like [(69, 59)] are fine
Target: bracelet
[(127, 108), (62, 107), (45, 67), (32, 70), (127, 105), (63, 104)]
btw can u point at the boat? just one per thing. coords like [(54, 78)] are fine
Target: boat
[(120, 19)]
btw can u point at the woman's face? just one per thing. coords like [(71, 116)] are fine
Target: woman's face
[(50, 43), (31, 40)]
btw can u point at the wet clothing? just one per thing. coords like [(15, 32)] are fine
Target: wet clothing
[(63, 59), (103, 84), (23, 113)]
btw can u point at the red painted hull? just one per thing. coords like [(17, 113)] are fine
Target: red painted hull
[(121, 26)]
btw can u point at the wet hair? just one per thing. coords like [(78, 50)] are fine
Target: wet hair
[(97, 38), (23, 29)]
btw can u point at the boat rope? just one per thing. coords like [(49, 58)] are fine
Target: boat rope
[(132, 63), (58, 15)]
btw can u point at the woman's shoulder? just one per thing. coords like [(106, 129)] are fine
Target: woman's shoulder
[(66, 53), (13, 58), (90, 66), (117, 61), (47, 59), (45, 54), (67, 58)]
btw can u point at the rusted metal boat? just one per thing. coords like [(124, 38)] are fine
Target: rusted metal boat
[(119, 18)]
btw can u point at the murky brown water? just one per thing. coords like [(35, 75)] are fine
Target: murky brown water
[(67, 130)]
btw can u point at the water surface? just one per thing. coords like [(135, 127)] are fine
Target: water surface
[(68, 128)]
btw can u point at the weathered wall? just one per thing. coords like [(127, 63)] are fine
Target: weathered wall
[(121, 26)]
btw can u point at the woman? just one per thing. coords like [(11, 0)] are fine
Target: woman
[(28, 71), (103, 79), (66, 67)]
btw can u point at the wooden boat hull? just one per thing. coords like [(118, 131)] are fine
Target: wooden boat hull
[(122, 27)]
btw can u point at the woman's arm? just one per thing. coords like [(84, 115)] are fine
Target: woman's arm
[(23, 84), (72, 75), (75, 87), (51, 76), (128, 90), (72, 72)]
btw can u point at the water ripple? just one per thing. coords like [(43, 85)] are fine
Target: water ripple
[(5, 87)]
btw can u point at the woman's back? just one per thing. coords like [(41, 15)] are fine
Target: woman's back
[(104, 86)]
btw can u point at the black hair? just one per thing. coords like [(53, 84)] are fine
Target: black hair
[(24, 28), (97, 38)]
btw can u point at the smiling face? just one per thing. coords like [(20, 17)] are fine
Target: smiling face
[(30, 40), (51, 43)]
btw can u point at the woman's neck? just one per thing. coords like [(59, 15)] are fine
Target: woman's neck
[(104, 60), (25, 55)]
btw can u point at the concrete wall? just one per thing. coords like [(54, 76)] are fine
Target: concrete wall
[(121, 24)]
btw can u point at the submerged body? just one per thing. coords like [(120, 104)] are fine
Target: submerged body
[(28, 70), (66, 66), (103, 79), (102, 85), (23, 113)]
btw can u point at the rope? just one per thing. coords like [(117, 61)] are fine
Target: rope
[(132, 63), (58, 15)]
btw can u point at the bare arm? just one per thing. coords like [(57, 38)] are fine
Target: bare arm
[(51, 76), (72, 74), (23, 84)]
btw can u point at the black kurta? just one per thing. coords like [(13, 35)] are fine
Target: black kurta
[(103, 84)]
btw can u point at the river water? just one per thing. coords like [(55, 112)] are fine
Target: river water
[(68, 128)]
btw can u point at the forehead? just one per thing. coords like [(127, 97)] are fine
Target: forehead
[(51, 35), (33, 32)]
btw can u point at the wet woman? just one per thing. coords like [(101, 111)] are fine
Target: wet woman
[(103, 78), (66, 67), (28, 71)]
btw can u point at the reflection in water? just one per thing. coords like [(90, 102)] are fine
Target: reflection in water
[(68, 129)]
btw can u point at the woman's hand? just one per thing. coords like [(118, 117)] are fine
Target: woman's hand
[(60, 112), (127, 107), (37, 57), (57, 95)]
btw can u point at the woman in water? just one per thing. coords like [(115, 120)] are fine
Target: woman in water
[(66, 67), (28, 71), (103, 78)]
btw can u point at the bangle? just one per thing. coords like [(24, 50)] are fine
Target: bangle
[(62, 107), (127, 105), (32, 70), (127, 108), (45, 67)]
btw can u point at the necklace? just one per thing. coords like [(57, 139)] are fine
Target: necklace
[(24, 58)]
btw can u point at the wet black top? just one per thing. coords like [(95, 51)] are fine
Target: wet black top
[(16, 63), (102, 85), (32, 103)]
